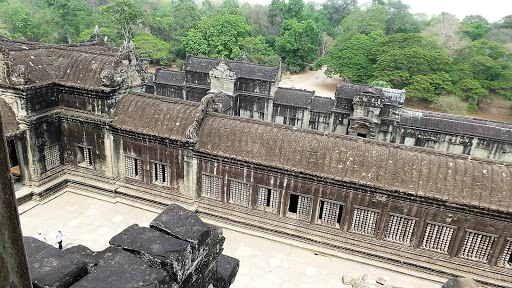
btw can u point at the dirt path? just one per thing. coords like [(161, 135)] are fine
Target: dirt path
[(312, 80)]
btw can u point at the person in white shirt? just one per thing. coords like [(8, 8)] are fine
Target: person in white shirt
[(58, 238), (40, 236)]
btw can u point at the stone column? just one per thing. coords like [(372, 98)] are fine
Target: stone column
[(13, 261)]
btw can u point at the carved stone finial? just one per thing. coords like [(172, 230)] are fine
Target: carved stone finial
[(208, 105), (244, 58)]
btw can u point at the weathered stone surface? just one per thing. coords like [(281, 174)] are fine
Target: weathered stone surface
[(13, 262), (183, 224), (227, 268), (121, 269), (157, 249), (461, 283), (51, 267), (83, 253)]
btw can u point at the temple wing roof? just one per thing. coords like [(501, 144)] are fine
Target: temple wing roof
[(455, 124), (293, 97), (79, 65), (392, 167), (155, 115)]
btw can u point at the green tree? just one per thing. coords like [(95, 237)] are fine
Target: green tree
[(294, 9), (474, 27), (430, 86), (353, 58), (373, 19), (399, 19), (72, 17), (218, 36), (259, 51), (480, 67), (18, 19), (185, 15), (337, 10), (152, 48), (298, 43), (125, 14)]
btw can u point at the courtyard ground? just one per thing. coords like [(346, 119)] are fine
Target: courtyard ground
[(263, 262)]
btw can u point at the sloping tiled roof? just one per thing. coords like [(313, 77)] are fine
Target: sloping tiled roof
[(11, 125), (165, 76), (254, 71), (155, 115), (456, 124), (322, 104), (406, 170), (348, 90), (243, 69), (200, 64), (75, 65), (293, 97)]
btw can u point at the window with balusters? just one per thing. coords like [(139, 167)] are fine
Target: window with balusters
[(210, 186), (268, 199), (51, 156), (160, 173), (132, 167), (505, 259), (329, 213), (477, 246), (300, 206), (437, 237), (239, 192), (400, 229), (364, 221)]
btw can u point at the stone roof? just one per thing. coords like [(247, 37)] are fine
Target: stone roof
[(293, 97), (11, 125), (170, 77), (455, 124), (322, 104), (241, 67), (393, 167), (348, 90), (155, 115), (79, 65), (200, 64), (247, 70)]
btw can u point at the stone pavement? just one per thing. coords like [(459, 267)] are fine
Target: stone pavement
[(263, 262)]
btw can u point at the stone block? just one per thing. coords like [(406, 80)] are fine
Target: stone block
[(227, 268), (51, 267), (157, 249), (121, 269), (461, 283), (182, 224)]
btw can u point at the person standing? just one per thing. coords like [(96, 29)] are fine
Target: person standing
[(58, 238)]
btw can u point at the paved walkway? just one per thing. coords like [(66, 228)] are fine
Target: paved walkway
[(263, 263)]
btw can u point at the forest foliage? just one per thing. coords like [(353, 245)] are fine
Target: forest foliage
[(380, 43)]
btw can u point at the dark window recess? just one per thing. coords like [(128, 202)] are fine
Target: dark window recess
[(362, 135), (269, 196), (294, 203), (509, 261)]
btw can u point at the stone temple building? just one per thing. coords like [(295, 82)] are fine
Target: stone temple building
[(423, 190)]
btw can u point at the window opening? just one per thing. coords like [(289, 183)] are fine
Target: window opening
[(399, 229), (160, 174), (84, 156), (477, 246), (330, 213), (364, 221), (133, 167), (239, 192), (211, 186), (437, 237), (268, 199)]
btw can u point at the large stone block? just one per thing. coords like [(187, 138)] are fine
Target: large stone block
[(182, 224), (121, 269), (157, 249), (51, 267), (227, 268), (461, 283)]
